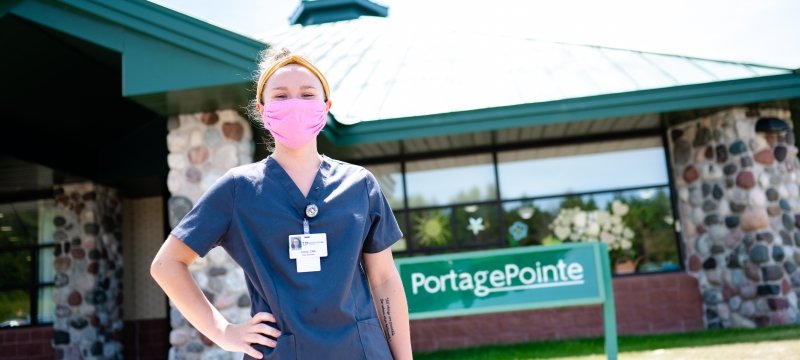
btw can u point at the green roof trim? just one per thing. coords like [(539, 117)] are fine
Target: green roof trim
[(723, 93), (162, 50)]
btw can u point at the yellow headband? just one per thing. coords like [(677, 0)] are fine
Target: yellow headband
[(291, 59)]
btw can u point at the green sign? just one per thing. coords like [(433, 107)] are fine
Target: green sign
[(511, 279)]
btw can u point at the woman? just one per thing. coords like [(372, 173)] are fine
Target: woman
[(316, 303)]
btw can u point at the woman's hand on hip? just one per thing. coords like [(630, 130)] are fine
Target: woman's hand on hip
[(238, 337)]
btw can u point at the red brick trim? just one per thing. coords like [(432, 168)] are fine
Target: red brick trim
[(657, 303), (28, 343)]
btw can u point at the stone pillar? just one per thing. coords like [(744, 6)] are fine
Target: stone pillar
[(739, 215), (203, 146), (88, 280)]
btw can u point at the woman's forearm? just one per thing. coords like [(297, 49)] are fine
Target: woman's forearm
[(390, 302), (176, 281)]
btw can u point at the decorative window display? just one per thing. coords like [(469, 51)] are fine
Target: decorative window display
[(518, 230), (476, 225), (533, 197), (431, 228), (574, 224)]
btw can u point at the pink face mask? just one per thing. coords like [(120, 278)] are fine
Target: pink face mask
[(294, 122)]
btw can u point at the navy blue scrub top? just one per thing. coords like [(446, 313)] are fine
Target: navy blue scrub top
[(251, 211)]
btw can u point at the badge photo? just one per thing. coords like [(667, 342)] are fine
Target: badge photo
[(295, 243)]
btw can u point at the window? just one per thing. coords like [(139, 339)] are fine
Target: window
[(401, 245), (451, 180), (563, 170), (452, 204), (619, 191), (27, 253), (390, 179)]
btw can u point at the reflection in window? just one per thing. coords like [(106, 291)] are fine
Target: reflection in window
[(15, 308), (47, 308), (47, 210), (452, 180), (431, 229), (46, 270), (26, 223), (651, 219), (390, 179), (16, 268), (535, 172), (401, 244), (26, 236)]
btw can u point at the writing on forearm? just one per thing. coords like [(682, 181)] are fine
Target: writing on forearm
[(386, 314)]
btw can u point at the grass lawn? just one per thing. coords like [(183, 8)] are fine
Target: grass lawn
[(594, 346)]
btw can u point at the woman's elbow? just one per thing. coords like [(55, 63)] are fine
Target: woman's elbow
[(156, 267), (167, 257)]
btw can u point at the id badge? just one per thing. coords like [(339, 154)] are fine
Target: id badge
[(306, 249)]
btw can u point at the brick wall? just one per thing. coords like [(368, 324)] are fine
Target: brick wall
[(644, 304), (146, 339), (29, 343), (142, 340), (658, 303)]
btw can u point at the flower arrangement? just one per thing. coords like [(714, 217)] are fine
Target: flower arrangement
[(574, 224)]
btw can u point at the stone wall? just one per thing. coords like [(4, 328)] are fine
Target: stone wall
[(88, 265), (739, 215), (203, 146)]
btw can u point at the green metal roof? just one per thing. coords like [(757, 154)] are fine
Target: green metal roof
[(170, 62), (393, 81)]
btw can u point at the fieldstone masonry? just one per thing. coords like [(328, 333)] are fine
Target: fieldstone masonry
[(88, 281), (739, 207), (203, 146)]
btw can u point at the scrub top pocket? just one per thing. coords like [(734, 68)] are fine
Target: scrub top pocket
[(373, 341)]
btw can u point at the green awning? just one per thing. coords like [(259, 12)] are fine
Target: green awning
[(170, 62)]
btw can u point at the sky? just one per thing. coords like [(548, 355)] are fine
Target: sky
[(765, 32)]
